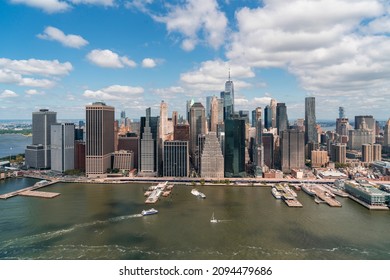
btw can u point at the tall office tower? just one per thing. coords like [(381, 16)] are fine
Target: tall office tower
[(130, 142), (229, 88), (310, 120), (339, 153), (220, 110), (79, 155), (369, 122), (292, 150), (38, 154), (234, 148), (189, 105), (123, 160), (197, 126), (341, 113), (208, 106), (163, 120), (182, 132), (360, 136), (212, 159), (343, 126), (176, 161), (256, 115), (386, 134), (281, 117), (227, 105), (268, 147), (79, 134), (214, 114), (267, 117), (149, 155), (100, 138), (62, 147), (244, 114), (123, 118), (175, 118), (273, 105), (258, 153)]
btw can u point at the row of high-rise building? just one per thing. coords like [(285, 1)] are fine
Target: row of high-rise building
[(213, 141)]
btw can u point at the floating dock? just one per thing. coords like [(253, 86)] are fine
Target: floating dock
[(288, 196), (39, 194), (30, 189)]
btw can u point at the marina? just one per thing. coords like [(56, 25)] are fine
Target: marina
[(321, 194), (29, 191), (154, 192), (287, 195)]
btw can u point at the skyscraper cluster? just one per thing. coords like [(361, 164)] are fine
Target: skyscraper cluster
[(212, 140)]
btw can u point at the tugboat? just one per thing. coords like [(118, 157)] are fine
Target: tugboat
[(151, 211)]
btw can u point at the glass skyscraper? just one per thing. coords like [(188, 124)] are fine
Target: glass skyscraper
[(234, 148)]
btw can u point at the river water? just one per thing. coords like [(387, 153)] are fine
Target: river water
[(90, 221), (13, 144)]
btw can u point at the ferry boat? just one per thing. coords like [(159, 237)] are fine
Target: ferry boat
[(151, 211), (198, 193), (276, 193), (213, 219), (307, 189)]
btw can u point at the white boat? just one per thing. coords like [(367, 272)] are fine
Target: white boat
[(276, 193), (213, 219), (198, 193), (151, 211)]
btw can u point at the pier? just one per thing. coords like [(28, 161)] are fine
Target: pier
[(322, 194), (289, 196), (30, 191)]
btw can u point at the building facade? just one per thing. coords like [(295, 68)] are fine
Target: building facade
[(234, 155), (281, 117), (99, 138), (292, 149), (310, 120), (212, 162), (176, 159), (62, 147)]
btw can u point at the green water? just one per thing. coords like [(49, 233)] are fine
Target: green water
[(102, 222)]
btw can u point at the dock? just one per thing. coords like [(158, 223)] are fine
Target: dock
[(289, 196), (27, 191), (154, 192), (368, 206), (322, 194)]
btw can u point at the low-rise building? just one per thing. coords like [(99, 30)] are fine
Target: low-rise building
[(367, 193)]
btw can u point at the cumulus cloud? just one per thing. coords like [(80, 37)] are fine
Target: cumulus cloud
[(114, 92), (70, 40), (196, 20), (58, 6), (109, 59), (149, 63), (212, 74), (25, 72), (49, 6), (8, 94), (34, 92), (330, 50)]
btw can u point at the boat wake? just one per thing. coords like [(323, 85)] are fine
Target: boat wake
[(28, 240)]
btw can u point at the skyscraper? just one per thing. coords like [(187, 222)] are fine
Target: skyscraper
[(234, 148), (360, 136), (273, 106), (149, 154), (197, 126), (229, 87), (281, 117), (62, 146), (267, 117), (99, 138), (163, 119), (38, 155), (176, 159), (386, 134), (227, 105), (214, 114), (339, 153), (310, 121), (212, 159), (292, 150)]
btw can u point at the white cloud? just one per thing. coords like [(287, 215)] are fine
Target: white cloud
[(149, 63), (8, 94), (139, 5), (196, 19), (34, 92), (95, 2), (114, 92), (36, 67), (212, 74), (109, 59), (24, 72), (58, 6), (70, 40)]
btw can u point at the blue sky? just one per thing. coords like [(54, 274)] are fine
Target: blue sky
[(65, 54)]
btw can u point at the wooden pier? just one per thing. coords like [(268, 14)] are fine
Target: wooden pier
[(30, 191)]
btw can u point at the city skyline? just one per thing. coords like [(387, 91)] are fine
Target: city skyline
[(133, 54)]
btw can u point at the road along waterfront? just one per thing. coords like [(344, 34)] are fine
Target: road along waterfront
[(103, 221)]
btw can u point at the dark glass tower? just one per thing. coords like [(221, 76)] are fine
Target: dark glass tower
[(234, 148), (267, 117), (148, 158), (310, 120), (281, 117)]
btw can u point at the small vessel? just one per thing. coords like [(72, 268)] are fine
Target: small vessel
[(276, 193), (198, 193), (213, 219), (151, 211)]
